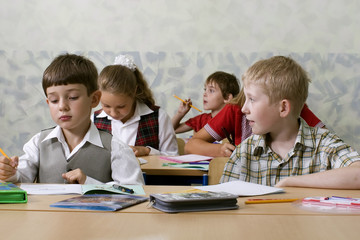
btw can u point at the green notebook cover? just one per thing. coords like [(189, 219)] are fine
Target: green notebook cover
[(10, 193)]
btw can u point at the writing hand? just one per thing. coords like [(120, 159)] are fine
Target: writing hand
[(227, 149), (8, 167)]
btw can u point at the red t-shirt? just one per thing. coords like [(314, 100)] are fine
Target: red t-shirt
[(234, 121), (198, 122)]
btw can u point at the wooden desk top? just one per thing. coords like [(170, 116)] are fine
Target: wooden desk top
[(154, 166), (90, 225), (255, 221), (42, 202)]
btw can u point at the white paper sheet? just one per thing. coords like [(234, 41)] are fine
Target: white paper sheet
[(241, 188), (142, 161), (50, 189)]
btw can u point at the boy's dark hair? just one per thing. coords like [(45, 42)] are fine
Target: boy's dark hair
[(227, 82), (71, 69)]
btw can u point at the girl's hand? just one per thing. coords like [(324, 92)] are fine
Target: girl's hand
[(227, 149), (140, 150), (74, 176)]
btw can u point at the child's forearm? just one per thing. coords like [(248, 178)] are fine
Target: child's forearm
[(340, 178), (202, 147), (176, 120)]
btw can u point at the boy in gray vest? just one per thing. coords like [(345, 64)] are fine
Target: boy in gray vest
[(74, 151)]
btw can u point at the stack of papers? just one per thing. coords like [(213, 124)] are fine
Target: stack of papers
[(187, 158), (201, 166)]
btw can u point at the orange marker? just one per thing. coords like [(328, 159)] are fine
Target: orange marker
[(280, 200), (185, 103)]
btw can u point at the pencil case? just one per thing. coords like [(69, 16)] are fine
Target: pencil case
[(193, 202)]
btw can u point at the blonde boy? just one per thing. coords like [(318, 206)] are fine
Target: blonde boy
[(284, 150), (74, 151)]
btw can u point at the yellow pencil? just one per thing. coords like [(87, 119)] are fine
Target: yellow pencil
[(254, 201), (3, 153), (185, 103)]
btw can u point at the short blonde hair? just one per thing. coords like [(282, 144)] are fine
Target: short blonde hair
[(282, 78)]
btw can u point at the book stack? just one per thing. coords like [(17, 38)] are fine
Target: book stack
[(10, 193)]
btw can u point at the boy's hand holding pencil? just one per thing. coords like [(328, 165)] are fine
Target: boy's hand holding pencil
[(8, 165), (186, 103)]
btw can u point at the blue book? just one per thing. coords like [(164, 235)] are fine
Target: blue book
[(100, 202)]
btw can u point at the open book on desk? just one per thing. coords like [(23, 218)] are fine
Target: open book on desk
[(241, 188), (50, 189)]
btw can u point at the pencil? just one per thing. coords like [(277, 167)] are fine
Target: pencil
[(4, 154), (281, 200), (185, 103)]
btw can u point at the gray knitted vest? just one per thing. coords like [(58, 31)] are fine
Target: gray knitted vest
[(94, 161)]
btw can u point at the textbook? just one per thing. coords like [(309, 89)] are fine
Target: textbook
[(10, 193), (100, 202), (187, 158), (194, 201), (49, 189)]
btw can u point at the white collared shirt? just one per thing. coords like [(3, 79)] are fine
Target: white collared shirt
[(127, 131), (124, 165)]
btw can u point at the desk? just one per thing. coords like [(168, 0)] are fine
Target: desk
[(156, 173), (36, 220), (154, 166)]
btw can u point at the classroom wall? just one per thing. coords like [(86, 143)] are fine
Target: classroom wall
[(177, 44)]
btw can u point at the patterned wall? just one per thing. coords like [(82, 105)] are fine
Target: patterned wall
[(177, 44)]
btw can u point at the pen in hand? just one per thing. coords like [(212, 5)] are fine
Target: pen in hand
[(231, 141), (123, 189)]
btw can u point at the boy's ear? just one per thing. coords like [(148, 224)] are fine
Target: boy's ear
[(285, 108), (229, 97), (95, 98)]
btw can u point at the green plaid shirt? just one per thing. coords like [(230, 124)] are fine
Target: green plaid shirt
[(315, 150)]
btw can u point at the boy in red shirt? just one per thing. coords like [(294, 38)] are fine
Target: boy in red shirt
[(220, 87)]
